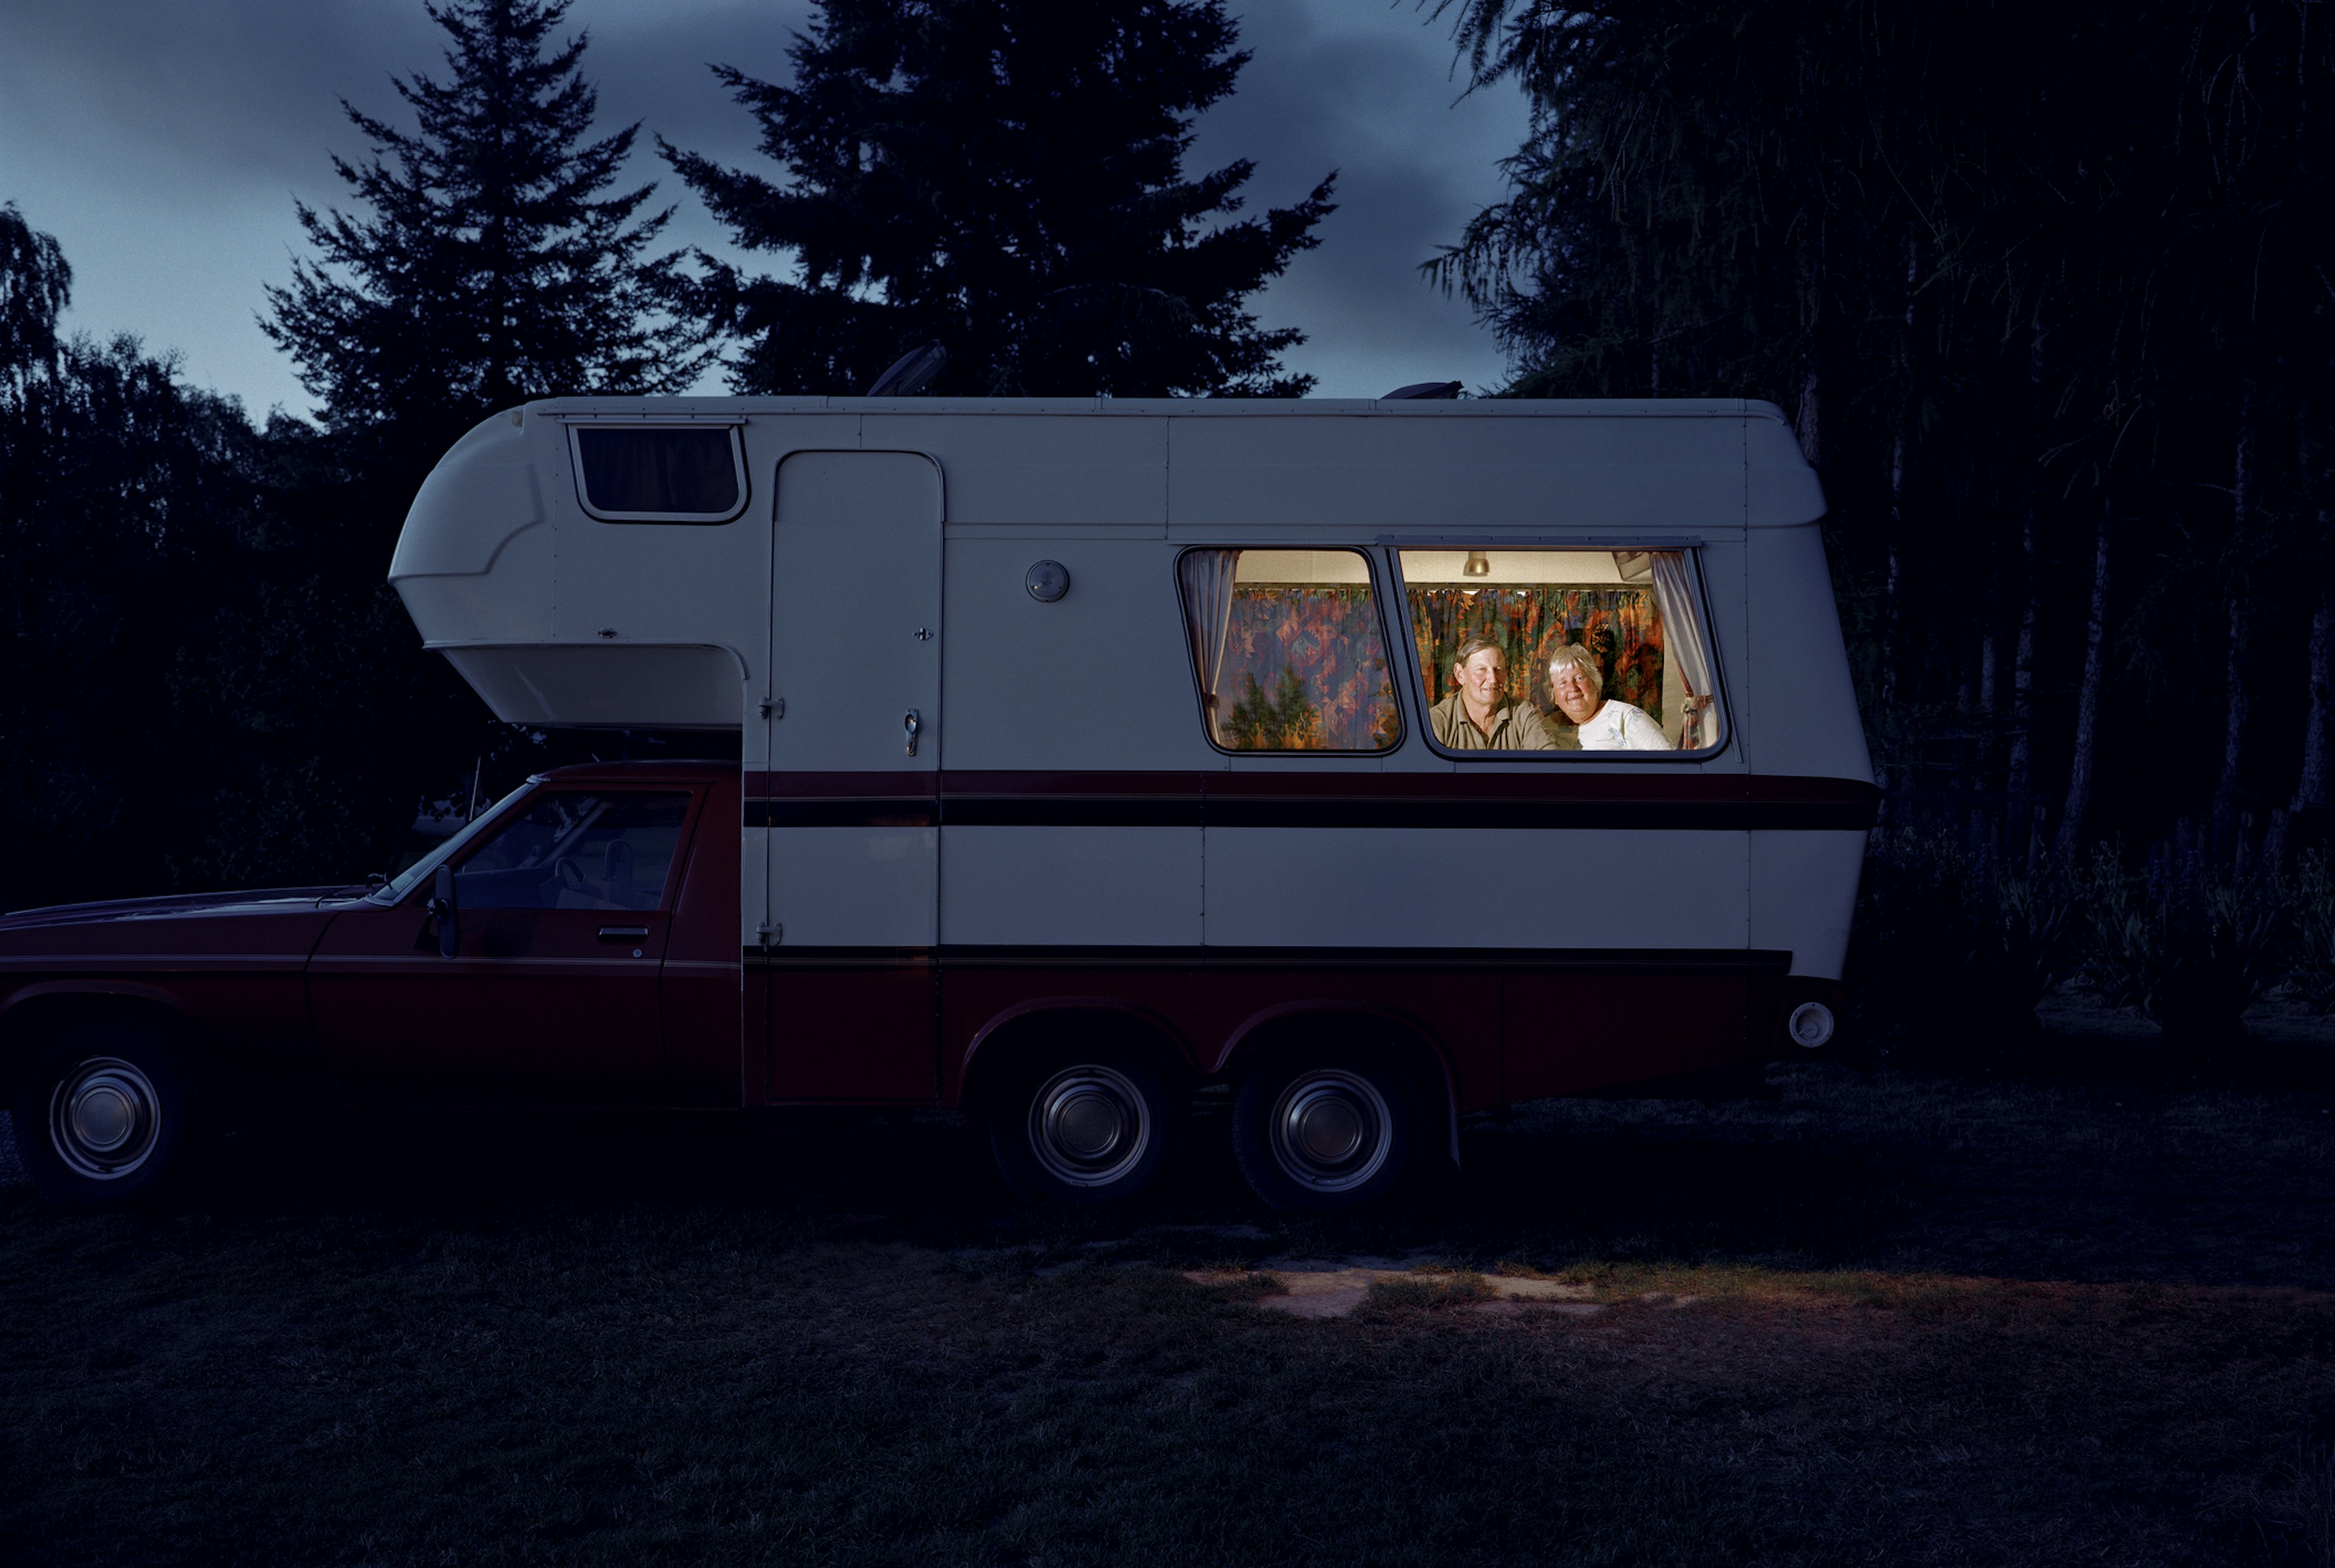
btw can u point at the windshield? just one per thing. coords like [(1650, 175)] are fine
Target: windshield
[(399, 885)]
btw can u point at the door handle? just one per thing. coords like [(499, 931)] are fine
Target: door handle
[(622, 933), (914, 723)]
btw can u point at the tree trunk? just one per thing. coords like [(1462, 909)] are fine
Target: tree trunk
[(1811, 420), (2088, 701), (2238, 701), (2312, 787), (2019, 772), (1891, 589)]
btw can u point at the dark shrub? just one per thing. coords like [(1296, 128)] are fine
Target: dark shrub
[(2309, 897), (1951, 944), (2189, 945)]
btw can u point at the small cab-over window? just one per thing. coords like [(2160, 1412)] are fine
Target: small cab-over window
[(1288, 651), (660, 473), (1540, 651)]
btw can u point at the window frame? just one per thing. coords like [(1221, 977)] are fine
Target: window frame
[(1693, 549), (733, 425), (1370, 566), (523, 799)]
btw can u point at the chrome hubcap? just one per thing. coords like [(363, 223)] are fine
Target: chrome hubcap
[(1089, 1126), (1330, 1130), (103, 1119)]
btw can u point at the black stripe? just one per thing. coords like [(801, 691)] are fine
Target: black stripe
[(911, 811), (1075, 812), (1410, 959), (1059, 811)]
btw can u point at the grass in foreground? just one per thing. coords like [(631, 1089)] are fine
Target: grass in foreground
[(837, 1349)]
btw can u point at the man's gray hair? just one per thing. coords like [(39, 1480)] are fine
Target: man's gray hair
[(1580, 659), (1475, 645)]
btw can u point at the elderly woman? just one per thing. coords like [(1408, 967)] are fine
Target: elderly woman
[(1479, 715), (1579, 689)]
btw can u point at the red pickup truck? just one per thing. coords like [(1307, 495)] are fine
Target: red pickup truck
[(577, 943)]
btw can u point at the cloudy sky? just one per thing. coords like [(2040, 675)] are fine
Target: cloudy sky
[(164, 142)]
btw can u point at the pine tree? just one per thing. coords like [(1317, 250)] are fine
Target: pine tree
[(496, 265), (1003, 177)]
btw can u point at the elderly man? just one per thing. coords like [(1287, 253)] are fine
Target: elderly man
[(1479, 715)]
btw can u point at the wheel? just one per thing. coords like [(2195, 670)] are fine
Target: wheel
[(1326, 1131), (107, 1116), (1088, 1126)]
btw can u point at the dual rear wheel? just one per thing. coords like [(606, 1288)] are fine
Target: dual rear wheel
[(1319, 1131)]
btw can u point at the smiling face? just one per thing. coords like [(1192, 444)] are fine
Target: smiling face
[(1574, 691), (1482, 677)]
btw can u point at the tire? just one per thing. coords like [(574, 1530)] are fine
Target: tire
[(1082, 1127), (107, 1116), (1326, 1131)]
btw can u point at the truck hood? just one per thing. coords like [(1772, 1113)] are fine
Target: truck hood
[(174, 906)]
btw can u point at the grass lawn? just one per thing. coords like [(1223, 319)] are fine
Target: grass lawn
[(1892, 1317)]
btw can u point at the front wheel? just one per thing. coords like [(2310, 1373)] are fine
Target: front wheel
[(1087, 1128), (106, 1115), (1325, 1133)]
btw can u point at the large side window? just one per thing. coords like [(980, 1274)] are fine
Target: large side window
[(1288, 650), (576, 850), (1536, 650)]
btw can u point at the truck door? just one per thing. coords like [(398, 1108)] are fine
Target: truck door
[(563, 913), (849, 802)]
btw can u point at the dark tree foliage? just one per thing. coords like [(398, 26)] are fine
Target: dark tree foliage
[(209, 682), (118, 488), (1003, 177), (497, 263), (2043, 288)]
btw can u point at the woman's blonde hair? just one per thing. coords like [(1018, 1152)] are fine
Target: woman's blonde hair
[(1580, 659)]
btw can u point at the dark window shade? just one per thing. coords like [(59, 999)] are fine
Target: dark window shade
[(687, 471)]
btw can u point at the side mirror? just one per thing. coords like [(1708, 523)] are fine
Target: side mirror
[(441, 905)]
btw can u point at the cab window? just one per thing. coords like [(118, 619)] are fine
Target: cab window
[(1288, 651), (577, 850), (1540, 651)]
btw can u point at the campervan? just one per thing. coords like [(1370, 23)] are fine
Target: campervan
[(1352, 765), (1095, 750)]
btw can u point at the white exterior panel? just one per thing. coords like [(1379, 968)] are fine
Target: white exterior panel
[(854, 886), (1071, 887), (1565, 888), (1804, 895)]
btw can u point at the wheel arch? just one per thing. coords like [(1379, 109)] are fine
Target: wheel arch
[(1027, 1026), (34, 1015)]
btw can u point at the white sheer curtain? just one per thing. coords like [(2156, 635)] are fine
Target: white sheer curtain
[(1683, 640), (1208, 617)]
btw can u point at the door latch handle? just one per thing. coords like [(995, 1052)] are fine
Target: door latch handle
[(622, 933), (913, 723)]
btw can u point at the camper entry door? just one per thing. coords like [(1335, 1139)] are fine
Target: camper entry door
[(848, 795)]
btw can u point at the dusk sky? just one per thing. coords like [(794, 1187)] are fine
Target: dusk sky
[(164, 142)]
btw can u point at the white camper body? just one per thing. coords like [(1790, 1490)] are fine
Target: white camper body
[(952, 770)]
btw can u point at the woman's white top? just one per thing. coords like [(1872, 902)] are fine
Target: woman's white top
[(1619, 727)]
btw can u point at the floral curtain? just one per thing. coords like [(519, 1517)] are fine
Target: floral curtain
[(1304, 668)]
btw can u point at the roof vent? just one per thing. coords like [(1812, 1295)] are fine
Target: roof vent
[(1424, 389), (911, 373)]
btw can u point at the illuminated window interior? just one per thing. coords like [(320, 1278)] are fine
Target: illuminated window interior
[(1641, 649), (1288, 651)]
